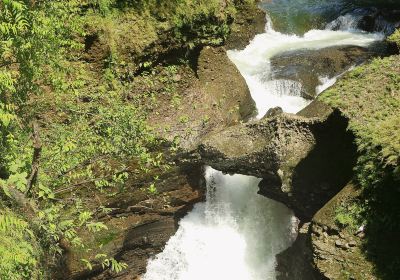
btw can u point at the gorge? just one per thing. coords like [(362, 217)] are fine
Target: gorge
[(236, 233), (199, 139)]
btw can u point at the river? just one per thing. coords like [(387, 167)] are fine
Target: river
[(236, 233)]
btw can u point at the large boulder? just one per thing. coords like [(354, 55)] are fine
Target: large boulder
[(310, 66), (211, 98), (324, 249), (304, 161), (370, 19)]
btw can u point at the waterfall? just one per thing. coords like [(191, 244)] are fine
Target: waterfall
[(236, 233), (254, 63), (228, 236)]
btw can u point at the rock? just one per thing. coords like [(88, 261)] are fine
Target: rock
[(212, 98), (371, 19), (249, 22), (273, 112), (294, 155), (341, 244), (177, 78), (339, 247), (296, 261), (271, 142), (308, 66), (316, 230), (352, 244), (338, 243), (361, 235), (145, 228), (360, 229)]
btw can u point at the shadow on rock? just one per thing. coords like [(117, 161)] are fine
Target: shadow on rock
[(322, 173)]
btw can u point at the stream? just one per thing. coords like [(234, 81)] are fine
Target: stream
[(236, 233)]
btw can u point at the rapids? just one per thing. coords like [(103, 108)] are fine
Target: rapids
[(236, 233)]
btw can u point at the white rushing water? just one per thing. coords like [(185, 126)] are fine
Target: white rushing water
[(228, 236), (237, 233), (254, 63)]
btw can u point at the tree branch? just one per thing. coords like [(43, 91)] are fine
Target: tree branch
[(37, 149)]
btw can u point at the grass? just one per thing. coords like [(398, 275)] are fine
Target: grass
[(370, 97)]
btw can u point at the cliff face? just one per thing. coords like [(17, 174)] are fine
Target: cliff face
[(370, 98), (139, 224), (208, 94)]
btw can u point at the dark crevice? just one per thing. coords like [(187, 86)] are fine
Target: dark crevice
[(322, 173)]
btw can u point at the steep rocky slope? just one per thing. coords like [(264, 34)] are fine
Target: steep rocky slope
[(308, 161), (209, 94)]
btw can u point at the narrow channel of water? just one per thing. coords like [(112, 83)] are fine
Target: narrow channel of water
[(228, 236), (236, 233)]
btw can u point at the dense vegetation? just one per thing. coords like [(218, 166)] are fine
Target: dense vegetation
[(370, 97), (68, 121)]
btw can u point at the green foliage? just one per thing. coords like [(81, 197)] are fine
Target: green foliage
[(395, 38), (152, 189), (19, 251), (111, 263), (93, 132), (203, 22), (106, 262), (36, 46), (349, 214), (105, 6), (370, 98)]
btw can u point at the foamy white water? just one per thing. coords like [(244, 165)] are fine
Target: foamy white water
[(254, 63), (228, 236), (237, 233)]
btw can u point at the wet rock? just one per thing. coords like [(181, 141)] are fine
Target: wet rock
[(144, 229), (372, 19), (296, 261), (309, 66), (249, 22)]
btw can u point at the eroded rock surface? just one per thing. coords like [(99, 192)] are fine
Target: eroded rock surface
[(139, 224), (338, 252), (304, 160), (296, 262), (250, 22)]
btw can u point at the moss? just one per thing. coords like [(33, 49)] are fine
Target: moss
[(106, 238), (370, 97), (395, 38), (132, 30)]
